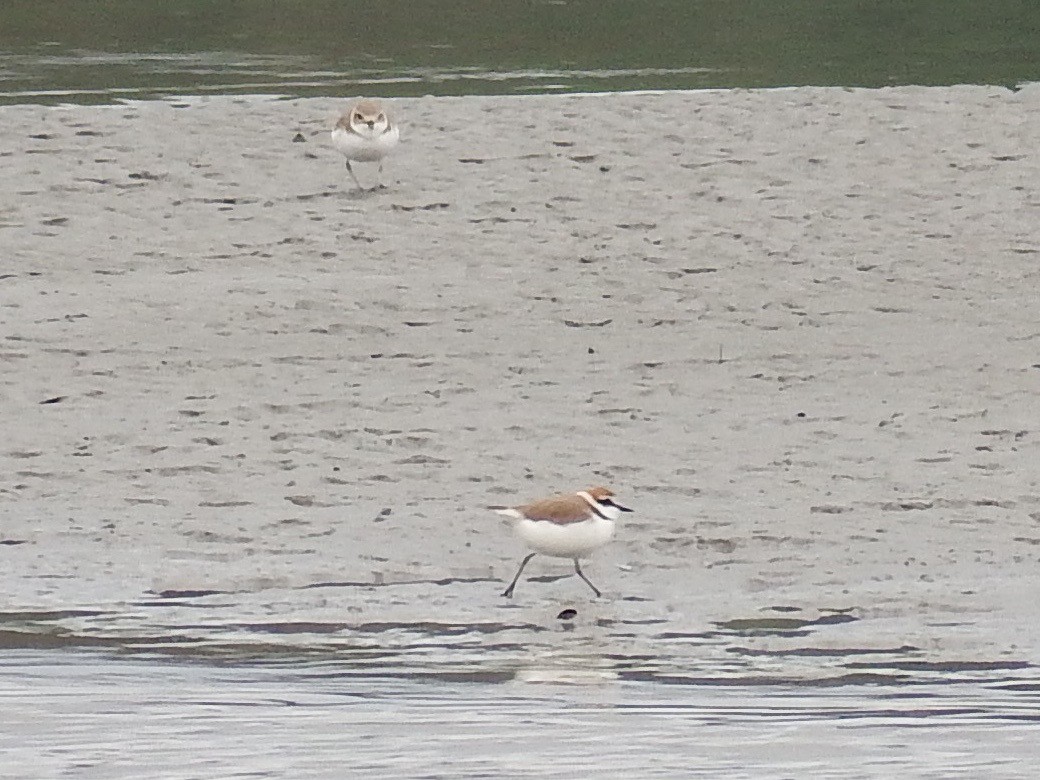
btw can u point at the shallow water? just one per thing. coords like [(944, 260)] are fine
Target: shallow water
[(88, 694)]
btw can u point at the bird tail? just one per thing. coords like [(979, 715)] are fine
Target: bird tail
[(507, 511)]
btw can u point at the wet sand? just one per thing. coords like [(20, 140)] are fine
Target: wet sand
[(796, 330)]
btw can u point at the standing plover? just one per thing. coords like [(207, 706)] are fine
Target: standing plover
[(366, 134), (571, 525)]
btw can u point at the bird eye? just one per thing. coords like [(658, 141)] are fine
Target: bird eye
[(358, 118)]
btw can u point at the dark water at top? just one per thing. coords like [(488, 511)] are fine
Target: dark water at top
[(54, 50)]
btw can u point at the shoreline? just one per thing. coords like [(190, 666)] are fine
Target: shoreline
[(277, 96)]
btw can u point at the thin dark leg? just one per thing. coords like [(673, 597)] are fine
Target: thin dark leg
[(354, 177), (577, 568), (508, 593)]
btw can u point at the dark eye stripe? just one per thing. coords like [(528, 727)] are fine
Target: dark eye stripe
[(610, 502)]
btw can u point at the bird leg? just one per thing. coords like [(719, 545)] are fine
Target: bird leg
[(354, 176), (577, 568), (508, 592)]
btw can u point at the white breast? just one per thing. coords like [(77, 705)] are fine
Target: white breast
[(365, 149), (574, 540)]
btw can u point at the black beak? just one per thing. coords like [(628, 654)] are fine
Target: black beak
[(622, 508)]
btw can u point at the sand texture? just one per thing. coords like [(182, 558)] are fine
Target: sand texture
[(222, 369)]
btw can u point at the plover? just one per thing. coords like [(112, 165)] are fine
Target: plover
[(570, 525), (366, 134)]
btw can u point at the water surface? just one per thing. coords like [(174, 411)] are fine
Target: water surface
[(92, 52), (89, 694)]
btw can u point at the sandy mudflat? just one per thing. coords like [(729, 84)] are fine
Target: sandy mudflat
[(221, 369)]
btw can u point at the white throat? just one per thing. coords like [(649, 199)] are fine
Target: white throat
[(376, 130)]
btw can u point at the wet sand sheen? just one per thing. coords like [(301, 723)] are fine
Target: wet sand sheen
[(253, 418)]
